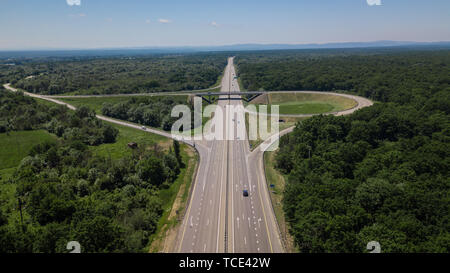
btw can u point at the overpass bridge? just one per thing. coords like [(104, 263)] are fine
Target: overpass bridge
[(211, 97)]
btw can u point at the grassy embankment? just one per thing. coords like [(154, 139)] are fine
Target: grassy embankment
[(306, 103), (16, 145), (299, 103), (278, 180)]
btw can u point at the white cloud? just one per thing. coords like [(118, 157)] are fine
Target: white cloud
[(214, 24), (77, 15), (73, 2), (374, 2), (164, 21)]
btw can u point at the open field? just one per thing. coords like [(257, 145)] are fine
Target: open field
[(305, 103), (126, 135), (15, 146)]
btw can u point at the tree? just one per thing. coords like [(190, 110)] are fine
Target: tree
[(176, 149), (151, 170)]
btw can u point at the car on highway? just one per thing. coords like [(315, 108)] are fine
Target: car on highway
[(143, 128), (245, 193)]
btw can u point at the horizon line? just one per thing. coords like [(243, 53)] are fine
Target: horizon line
[(149, 47)]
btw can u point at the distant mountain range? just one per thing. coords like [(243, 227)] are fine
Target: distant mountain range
[(190, 49), (239, 47)]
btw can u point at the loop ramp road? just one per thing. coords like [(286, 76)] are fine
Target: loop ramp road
[(219, 218)]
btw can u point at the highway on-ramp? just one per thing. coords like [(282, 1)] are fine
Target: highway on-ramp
[(219, 218)]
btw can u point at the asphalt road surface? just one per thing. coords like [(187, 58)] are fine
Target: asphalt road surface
[(219, 218)]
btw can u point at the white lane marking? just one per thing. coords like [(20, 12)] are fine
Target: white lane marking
[(207, 221), (191, 222), (207, 168), (245, 240), (259, 222), (232, 201), (237, 219), (249, 222), (204, 248)]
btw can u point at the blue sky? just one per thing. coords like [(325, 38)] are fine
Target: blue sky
[(26, 24)]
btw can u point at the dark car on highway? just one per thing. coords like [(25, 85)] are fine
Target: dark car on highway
[(245, 193)]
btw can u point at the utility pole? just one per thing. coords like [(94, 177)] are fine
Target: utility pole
[(21, 216)]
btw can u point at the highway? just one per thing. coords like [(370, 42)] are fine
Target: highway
[(219, 218)]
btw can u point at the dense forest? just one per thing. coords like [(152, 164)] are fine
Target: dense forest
[(19, 112), (151, 111), (67, 193), (403, 76), (380, 174), (115, 75)]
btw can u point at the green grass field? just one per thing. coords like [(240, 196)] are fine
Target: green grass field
[(126, 135), (15, 146), (307, 103)]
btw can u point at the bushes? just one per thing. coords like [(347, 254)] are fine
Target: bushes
[(18, 112), (107, 206), (154, 112), (69, 194), (380, 174), (117, 75)]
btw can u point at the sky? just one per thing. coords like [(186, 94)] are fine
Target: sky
[(83, 24)]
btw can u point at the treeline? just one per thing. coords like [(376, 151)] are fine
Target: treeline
[(380, 174), (116, 75), (19, 112), (151, 111), (71, 195), (64, 192), (383, 75)]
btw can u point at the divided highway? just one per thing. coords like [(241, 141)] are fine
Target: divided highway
[(219, 218)]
